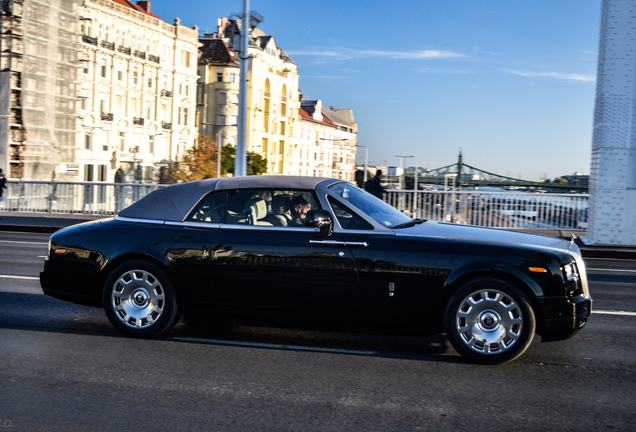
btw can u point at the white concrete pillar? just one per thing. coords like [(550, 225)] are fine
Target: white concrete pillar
[(612, 211)]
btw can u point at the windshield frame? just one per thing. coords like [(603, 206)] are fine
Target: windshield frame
[(370, 199)]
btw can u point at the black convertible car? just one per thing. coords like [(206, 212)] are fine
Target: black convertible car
[(292, 251)]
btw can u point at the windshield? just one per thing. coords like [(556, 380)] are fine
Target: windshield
[(373, 207)]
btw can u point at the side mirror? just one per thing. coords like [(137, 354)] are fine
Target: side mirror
[(320, 219)]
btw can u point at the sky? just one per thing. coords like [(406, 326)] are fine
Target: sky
[(510, 82)]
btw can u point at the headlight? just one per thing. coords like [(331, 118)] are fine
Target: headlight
[(570, 271)]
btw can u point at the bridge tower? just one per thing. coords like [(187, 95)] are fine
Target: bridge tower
[(612, 207)]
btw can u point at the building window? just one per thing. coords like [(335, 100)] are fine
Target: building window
[(149, 82), (185, 116), (151, 144), (187, 89), (87, 141), (148, 173), (103, 68), (107, 34), (232, 77), (122, 141), (219, 77), (135, 77), (88, 173), (102, 172), (123, 39)]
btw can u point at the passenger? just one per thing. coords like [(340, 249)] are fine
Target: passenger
[(299, 208)]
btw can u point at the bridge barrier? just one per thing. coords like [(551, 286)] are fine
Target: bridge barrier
[(489, 209), (495, 209)]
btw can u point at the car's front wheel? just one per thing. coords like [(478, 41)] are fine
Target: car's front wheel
[(139, 299), (489, 321)]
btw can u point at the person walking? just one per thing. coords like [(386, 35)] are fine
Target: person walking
[(3, 184), (376, 187)]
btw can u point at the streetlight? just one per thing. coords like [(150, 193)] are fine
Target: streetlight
[(218, 146), (402, 166), (249, 21), (366, 168)]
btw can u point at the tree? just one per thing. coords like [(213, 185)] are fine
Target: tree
[(256, 165), (199, 162)]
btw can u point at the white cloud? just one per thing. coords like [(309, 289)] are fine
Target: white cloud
[(556, 75), (346, 53)]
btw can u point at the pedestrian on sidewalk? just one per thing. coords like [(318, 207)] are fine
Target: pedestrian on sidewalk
[(374, 186), (3, 183)]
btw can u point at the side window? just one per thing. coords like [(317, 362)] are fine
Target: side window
[(268, 207), (210, 209), (347, 218)]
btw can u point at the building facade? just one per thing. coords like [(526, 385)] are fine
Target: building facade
[(327, 142), (98, 91), (273, 98), (136, 88)]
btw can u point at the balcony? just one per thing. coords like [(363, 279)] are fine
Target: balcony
[(153, 58), (108, 45), (107, 116), (139, 121), (89, 40), (166, 125), (166, 93), (123, 50), (139, 54)]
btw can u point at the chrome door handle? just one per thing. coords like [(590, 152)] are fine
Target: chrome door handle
[(328, 242), (338, 243)]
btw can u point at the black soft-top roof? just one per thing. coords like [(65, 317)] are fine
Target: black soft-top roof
[(173, 203)]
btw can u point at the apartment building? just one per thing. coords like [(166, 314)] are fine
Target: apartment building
[(273, 96), (136, 89), (100, 90), (327, 142)]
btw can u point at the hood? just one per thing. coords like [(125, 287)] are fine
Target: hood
[(491, 236)]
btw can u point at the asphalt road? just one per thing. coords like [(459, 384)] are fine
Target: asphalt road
[(64, 368)]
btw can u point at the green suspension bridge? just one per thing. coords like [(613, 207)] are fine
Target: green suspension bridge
[(468, 176)]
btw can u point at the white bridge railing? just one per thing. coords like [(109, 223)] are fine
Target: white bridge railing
[(495, 209), (491, 209)]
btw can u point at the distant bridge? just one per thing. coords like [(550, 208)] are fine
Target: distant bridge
[(469, 176)]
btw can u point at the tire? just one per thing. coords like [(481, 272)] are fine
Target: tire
[(489, 321), (139, 300)]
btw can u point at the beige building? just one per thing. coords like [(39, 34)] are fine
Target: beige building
[(137, 89), (326, 142), (99, 90), (273, 99)]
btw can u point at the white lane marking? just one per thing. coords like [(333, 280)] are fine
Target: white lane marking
[(20, 277), (613, 270), (275, 346), (23, 242), (611, 312)]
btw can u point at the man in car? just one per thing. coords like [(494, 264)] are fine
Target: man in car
[(299, 208)]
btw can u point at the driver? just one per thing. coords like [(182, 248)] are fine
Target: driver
[(299, 207)]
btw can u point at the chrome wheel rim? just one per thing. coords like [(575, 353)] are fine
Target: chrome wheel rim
[(138, 299), (489, 321)]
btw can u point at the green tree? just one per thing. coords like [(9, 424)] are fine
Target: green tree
[(256, 165), (199, 162)]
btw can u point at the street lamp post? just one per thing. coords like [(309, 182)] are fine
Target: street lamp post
[(366, 162), (218, 146), (402, 166)]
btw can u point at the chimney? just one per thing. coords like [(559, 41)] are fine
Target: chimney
[(331, 108), (145, 5)]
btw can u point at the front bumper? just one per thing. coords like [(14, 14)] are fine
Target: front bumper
[(567, 318)]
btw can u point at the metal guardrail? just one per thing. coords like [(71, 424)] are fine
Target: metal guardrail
[(72, 197), (489, 209), (495, 209)]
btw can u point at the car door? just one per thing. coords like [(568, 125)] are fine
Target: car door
[(398, 278), (278, 269)]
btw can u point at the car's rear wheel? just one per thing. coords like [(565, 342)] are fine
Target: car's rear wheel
[(489, 321), (139, 299)]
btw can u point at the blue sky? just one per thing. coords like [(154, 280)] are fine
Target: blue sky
[(511, 82)]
